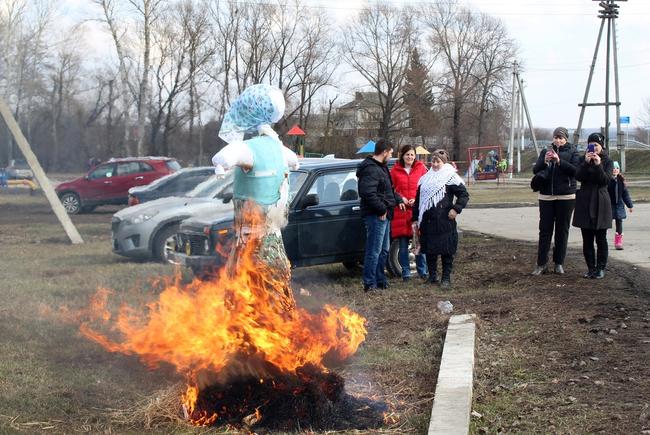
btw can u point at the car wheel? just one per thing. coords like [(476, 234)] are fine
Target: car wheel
[(164, 243), (393, 266), (71, 203)]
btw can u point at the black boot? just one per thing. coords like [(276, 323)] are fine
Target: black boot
[(447, 266), (432, 266)]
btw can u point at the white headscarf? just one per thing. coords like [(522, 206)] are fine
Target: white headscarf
[(433, 187)]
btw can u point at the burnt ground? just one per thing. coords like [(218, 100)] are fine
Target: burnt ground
[(555, 354)]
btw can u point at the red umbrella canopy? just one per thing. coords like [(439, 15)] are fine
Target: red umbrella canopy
[(295, 131)]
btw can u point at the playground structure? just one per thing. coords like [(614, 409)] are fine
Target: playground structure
[(486, 163), (5, 182)]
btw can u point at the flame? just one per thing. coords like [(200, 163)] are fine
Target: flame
[(228, 325)]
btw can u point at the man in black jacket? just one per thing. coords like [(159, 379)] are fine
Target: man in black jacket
[(378, 198), (556, 166)]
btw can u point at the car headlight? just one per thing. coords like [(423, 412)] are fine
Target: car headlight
[(139, 218)]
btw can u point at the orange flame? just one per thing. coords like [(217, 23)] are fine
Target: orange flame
[(218, 326)]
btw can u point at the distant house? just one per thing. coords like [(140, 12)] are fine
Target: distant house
[(360, 117)]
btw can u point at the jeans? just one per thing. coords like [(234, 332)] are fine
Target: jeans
[(377, 245), (420, 259), (554, 215)]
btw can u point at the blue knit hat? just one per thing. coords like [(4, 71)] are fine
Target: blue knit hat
[(616, 165)]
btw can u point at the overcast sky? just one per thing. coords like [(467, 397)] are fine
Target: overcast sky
[(556, 40)]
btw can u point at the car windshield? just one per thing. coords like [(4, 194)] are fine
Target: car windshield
[(296, 180), (210, 187), (20, 164)]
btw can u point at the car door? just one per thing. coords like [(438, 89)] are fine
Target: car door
[(98, 183), (129, 174), (146, 174), (333, 229)]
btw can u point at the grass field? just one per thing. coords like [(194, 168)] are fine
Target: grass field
[(547, 360)]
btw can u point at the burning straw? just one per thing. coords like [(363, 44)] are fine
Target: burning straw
[(234, 337)]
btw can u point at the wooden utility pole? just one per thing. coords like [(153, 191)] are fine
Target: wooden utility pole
[(42, 179), (608, 13)]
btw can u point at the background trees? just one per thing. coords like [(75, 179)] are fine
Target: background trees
[(166, 72)]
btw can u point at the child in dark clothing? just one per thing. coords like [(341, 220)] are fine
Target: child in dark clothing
[(620, 197)]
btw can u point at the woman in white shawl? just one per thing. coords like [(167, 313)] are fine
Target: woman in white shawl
[(434, 215)]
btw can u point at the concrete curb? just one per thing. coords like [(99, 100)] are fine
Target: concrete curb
[(453, 399)]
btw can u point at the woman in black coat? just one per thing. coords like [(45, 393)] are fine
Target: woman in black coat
[(593, 210), (434, 215)]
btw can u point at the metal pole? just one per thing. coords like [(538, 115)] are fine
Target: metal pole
[(512, 115), (609, 42), (619, 143), (42, 179), (530, 123), (521, 132), (576, 133)]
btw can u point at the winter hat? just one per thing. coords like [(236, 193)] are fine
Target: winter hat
[(441, 154), (597, 138), (616, 165), (561, 132)]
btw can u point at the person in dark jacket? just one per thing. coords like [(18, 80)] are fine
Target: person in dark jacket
[(434, 215), (620, 197), (593, 211), (378, 199), (556, 167)]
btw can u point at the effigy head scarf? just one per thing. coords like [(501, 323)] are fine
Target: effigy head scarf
[(253, 111)]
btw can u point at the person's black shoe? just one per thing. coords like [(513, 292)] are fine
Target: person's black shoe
[(369, 288), (424, 277), (445, 284), (406, 278), (559, 269), (539, 270), (383, 285), (433, 279), (600, 274), (589, 274)]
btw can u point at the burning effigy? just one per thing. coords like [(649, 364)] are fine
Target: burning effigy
[(249, 354)]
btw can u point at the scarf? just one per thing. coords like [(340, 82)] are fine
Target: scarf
[(433, 187)]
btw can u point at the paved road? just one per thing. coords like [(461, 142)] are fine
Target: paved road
[(522, 223)]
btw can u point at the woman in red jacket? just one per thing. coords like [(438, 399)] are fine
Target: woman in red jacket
[(405, 175)]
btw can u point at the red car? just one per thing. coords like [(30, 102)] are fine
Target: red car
[(109, 182)]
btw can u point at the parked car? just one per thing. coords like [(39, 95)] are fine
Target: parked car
[(109, 182), (148, 231), (325, 223), (176, 184), (18, 169)]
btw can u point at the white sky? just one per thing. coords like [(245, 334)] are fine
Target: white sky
[(556, 40)]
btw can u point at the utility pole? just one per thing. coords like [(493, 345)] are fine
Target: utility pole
[(608, 13), (518, 88)]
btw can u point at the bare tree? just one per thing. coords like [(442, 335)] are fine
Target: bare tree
[(496, 55), (455, 39), (378, 45), (117, 32)]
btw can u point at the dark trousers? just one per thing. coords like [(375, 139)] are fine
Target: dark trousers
[(595, 260), (447, 265), (619, 225), (554, 215)]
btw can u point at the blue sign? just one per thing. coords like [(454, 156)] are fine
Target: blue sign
[(624, 119)]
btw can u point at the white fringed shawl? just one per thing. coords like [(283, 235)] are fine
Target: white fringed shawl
[(433, 187)]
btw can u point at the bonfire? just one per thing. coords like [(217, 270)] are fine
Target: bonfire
[(249, 354)]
